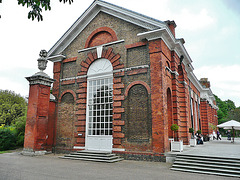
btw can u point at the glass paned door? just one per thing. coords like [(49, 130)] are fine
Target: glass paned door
[(100, 107)]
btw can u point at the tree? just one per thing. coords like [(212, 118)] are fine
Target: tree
[(12, 106), (227, 110), (174, 128), (37, 6), (230, 105), (234, 114)]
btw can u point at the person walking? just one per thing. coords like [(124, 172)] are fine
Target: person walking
[(218, 135), (229, 135)]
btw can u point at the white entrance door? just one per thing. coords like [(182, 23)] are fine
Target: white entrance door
[(99, 106)]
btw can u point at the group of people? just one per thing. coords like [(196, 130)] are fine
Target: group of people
[(219, 135), (199, 138)]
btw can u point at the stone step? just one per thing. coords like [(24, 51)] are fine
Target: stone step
[(205, 172), (94, 159), (223, 166), (224, 163), (94, 154), (208, 168), (97, 156), (210, 158)]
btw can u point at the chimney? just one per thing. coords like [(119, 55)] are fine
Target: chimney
[(204, 82), (172, 25)]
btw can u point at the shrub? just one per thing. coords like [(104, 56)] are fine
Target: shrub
[(199, 131), (20, 130), (8, 138), (174, 128), (191, 130)]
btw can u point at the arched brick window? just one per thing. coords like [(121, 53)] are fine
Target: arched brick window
[(138, 125), (100, 36), (66, 119)]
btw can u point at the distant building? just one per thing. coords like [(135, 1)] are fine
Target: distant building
[(121, 80)]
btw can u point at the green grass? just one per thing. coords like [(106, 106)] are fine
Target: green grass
[(2, 152)]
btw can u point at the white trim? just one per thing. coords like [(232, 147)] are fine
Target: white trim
[(169, 40), (56, 58), (99, 51), (107, 44), (118, 149), (114, 71), (78, 147)]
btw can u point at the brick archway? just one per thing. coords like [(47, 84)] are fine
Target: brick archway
[(134, 83), (68, 91), (100, 36), (107, 54)]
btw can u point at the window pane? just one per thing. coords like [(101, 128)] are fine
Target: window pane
[(100, 112)]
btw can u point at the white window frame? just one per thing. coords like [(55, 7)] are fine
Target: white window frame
[(100, 69)]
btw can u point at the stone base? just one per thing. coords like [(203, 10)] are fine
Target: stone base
[(138, 156), (31, 152), (170, 157)]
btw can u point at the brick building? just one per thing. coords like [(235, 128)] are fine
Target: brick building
[(121, 80)]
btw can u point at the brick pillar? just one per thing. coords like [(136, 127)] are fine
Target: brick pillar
[(204, 116), (156, 70), (36, 131)]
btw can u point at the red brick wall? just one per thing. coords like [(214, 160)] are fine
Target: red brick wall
[(36, 131), (51, 130)]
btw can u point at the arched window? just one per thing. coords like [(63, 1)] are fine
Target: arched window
[(169, 113), (65, 123), (138, 122), (100, 98)]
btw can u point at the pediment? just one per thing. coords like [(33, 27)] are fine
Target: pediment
[(94, 9)]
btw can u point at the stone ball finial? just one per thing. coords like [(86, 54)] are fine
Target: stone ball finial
[(42, 60), (43, 53)]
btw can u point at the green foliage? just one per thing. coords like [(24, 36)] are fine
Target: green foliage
[(211, 126), (12, 106), (20, 129), (13, 113), (234, 114), (227, 110), (8, 138), (37, 6), (199, 131), (191, 130), (174, 127)]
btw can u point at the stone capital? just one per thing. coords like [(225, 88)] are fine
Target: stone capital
[(40, 79)]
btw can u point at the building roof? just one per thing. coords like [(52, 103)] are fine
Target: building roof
[(155, 29), (93, 10)]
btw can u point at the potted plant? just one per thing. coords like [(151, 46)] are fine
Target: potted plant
[(176, 145), (193, 141)]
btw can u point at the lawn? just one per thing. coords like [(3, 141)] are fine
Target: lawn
[(1, 152)]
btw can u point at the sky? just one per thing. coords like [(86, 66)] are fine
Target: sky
[(211, 30)]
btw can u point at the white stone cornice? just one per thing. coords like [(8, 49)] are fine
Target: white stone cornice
[(39, 79), (57, 58), (168, 38), (96, 47)]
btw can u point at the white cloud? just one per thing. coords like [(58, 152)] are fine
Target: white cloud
[(188, 20), (225, 81), (19, 87)]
